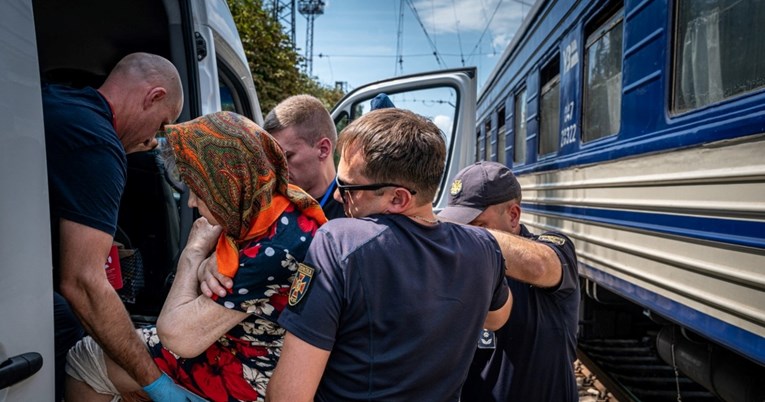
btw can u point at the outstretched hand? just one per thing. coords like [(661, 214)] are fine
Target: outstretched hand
[(210, 280)]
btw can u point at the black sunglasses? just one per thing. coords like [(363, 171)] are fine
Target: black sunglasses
[(342, 187)]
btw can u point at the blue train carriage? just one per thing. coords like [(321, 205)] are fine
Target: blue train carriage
[(637, 129)]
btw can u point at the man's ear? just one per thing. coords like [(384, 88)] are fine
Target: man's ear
[(400, 201), (155, 95), (514, 209), (325, 148)]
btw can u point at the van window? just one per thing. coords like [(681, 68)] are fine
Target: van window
[(439, 104), (233, 97)]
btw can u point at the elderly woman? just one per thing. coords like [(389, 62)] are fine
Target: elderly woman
[(220, 348)]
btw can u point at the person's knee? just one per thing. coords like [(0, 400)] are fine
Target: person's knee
[(85, 363)]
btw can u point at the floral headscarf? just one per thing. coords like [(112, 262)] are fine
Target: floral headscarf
[(240, 173)]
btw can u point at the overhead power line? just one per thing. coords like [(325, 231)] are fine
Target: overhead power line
[(399, 67), (459, 38), (488, 24), (358, 55), (432, 45)]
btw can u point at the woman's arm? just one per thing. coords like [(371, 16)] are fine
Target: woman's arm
[(190, 322)]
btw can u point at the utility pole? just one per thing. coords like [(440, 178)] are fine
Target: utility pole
[(310, 9), (283, 11)]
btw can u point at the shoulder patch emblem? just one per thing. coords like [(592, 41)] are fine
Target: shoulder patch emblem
[(300, 284), (552, 239), (456, 187)]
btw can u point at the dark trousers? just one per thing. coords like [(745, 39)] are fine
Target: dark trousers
[(68, 331)]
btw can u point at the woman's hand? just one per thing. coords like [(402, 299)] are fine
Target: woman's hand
[(210, 280), (203, 237)]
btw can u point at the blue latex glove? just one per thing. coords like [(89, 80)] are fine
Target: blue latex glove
[(163, 389)]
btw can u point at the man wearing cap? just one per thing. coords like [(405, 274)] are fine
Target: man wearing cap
[(530, 358)]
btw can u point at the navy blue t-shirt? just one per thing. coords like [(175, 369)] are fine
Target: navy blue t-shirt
[(87, 165), (536, 348), (331, 207), (398, 305)]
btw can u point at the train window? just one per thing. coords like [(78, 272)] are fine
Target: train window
[(489, 140), (549, 106), (718, 52), (501, 136), (603, 79), (478, 144), (519, 128)]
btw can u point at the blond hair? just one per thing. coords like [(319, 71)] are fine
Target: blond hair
[(306, 114)]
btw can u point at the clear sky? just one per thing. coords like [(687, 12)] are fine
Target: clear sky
[(357, 41)]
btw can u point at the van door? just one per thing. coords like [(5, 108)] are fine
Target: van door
[(26, 287), (219, 53), (447, 97)]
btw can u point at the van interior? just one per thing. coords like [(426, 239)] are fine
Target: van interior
[(79, 41)]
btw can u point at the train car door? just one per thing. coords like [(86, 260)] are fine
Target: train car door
[(26, 287), (448, 97)]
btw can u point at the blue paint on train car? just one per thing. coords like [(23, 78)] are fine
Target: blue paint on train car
[(739, 232), (744, 342), (653, 113), (646, 87)]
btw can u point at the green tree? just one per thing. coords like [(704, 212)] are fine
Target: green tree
[(273, 62)]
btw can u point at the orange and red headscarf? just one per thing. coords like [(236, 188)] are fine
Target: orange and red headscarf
[(240, 173)]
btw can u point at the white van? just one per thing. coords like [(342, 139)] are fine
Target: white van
[(77, 42)]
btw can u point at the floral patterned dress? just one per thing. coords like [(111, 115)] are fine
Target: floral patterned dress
[(237, 367)]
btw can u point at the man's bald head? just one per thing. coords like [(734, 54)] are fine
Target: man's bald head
[(145, 93)]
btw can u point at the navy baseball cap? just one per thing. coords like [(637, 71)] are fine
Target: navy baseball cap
[(478, 187)]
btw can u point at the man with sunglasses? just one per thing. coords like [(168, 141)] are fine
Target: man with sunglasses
[(387, 304)]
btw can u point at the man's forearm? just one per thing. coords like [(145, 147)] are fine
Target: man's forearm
[(528, 261), (102, 313)]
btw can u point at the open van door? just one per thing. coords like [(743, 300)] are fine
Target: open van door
[(26, 287), (447, 97), (76, 43)]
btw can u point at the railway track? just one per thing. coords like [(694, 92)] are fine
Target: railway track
[(630, 370)]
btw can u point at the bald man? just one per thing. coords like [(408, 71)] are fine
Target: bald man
[(88, 133)]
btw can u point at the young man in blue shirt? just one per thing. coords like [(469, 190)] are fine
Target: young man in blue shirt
[(307, 134)]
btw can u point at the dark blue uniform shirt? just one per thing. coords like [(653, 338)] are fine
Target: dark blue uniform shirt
[(87, 165), (398, 304), (535, 350)]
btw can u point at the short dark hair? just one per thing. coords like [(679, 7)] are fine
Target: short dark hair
[(398, 146)]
